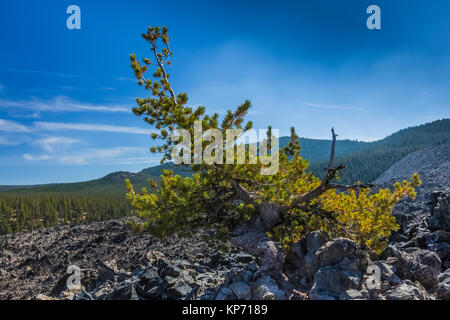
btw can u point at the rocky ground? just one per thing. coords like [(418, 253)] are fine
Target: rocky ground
[(111, 257), (117, 264)]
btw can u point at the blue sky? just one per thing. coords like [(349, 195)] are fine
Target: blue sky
[(66, 95)]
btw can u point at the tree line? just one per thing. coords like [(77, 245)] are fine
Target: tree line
[(18, 213)]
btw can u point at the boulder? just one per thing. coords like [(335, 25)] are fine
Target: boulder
[(171, 271), (405, 291), (126, 292), (241, 290), (440, 210), (225, 293), (151, 289), (336, 250), (443, 289), (338, 282), (415, 264), (244, 258), (388, 274), (315, 240), (266, 288), (179, 290)]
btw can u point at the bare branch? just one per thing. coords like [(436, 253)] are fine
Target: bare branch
[(243, 194), (325, 183), (333, 147), (352, 186)]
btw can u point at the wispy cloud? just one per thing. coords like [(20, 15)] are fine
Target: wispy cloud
[(53, 143), (50, 126), (107, 88), (8, 140), (33, 115), (46, 73), (60, 104), (12, 126), (125, 79), (333, 106), (39, 157), (116, 155)]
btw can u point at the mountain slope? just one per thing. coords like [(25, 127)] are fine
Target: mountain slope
[(368, 164), (317, 150), (433, 165)]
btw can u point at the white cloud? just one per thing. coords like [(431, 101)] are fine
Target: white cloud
[(51, 144), (12, 140), (125, 79), (31, 157), (12, 126), (116, 155), (61, 104), (89, 127), (332, 106), (46, 73)]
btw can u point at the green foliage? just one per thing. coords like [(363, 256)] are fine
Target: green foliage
[(26, 213), (219, 197)]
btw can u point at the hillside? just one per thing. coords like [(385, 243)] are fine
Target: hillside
[(368, 164), (110, 185), (318, 150)]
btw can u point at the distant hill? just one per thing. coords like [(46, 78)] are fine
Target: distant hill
[(110, 185), (365, 161), (369, 163), (113, 184), (317, 150)]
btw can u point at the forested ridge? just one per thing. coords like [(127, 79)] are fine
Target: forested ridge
[(368, 164)]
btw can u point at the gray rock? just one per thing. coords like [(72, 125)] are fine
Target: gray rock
[(440, 210), (441, 236), (415, 264), (443, 289), (310, 265), (266, 288), (241, 290), (225, 293), (171, 271), (244, 258), (151, 289), (405, 291), (127, 292), (179, 290), (336, 250), (315, 240), (333, 283)]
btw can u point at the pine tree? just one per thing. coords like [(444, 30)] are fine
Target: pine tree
[(260, 211)]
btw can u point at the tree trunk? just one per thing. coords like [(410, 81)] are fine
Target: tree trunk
[(253, 239)]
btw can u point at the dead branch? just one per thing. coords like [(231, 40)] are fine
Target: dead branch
[(325, 183), (333, 147)]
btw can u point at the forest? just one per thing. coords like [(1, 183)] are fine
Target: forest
[(27, 213)]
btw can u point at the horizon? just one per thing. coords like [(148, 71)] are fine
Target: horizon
[(159, 164), (66, 95)]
